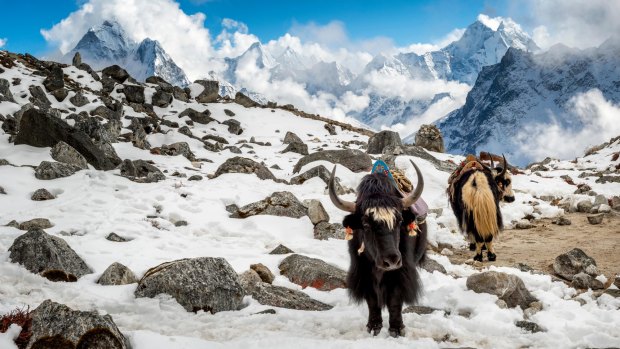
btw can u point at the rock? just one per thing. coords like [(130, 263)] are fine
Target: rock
[(381, 140), (529, 326), (55, 79), (604, 208), (245, 101), (38, 98), (283, 204), (615, 203), (331, 129), (115, 73), (507, 287), (612, 292), (321, 172), (2, 191), (36, 223), (585, 281), (572, 263), (211, 92), (243, 165), (117, 274), (42, 195), (115, 238), (299, 148), (139, 135), (206, 283), (160, 82), (325, 230), (141, 171), (431, 265), (57, 326), (502, 304), (197, 117), (419, 309), (79, 100), (60, 94), (63, 152), (525, 224), (234, 126), (179, 148), (263, 272), (600, 200), (134, 93), (47, 255), (584, 206), (291, 137), (180, 94), (195, 178), (596, 219), (161, 99), (354, 160), (316, 212), (180, 223), (52, 170), (281, 249), (41, 130), (561, 221), (5, 91), (429, 137), (278, 296), (306, 271), (77, 60)]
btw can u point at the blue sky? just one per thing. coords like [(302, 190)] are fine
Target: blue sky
[(402, 21)]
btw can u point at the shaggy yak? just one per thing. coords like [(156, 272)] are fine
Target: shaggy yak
[(385, 245), (475, 191)]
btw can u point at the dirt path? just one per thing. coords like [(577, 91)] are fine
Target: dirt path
[(538, 247)]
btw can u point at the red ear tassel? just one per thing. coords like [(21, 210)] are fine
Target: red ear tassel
[(413, 229), (348, 233)]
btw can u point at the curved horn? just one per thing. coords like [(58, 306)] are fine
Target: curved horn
[(486, 168), (504, 167), (492, 163), (341, 204), (413, 197)]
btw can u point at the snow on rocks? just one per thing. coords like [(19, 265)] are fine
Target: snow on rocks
[(313, 272), (240, 164), (354, 160), (382, 140), (63, 152), (52, 170), (573, 262), (283, 204), (509, 288)]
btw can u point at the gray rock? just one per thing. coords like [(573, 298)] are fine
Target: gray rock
[(431, 265), (55, 80), (561, 221), (263, 272), (600, 200), (77, 59), (306, 271), (354, 160), (325, 230), (47, 255), (134, 93), (420, 310), (507, 287), (180, 94), (291, 137), (63, 152), (60, 94), (197, 117), (55, 325), (281, 249), (79, 100), (331, 129), (180, 223), (316, 212), (35, 223), (596, 219), (245, 101), (141, 171), (52, 170), (234, 126), (13, 224), (429, 137), (42, 195), (615, 203), (2, 191), (524, 224), (616, 280), (39, 98), (604, 208), (585, 281), (162, 99), (299, 148), (117, 274), (584, 206), (195, 178), (572, 263), (211, 92), (205, 283), (283, 204), (321, 172), (160, 82), (529, 326), (116, 238), (115, 73), (381, 140), (215, 138), (5, 91), (179, 148), (243, 165)]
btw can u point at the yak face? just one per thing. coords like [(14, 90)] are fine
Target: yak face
[(504, 182)]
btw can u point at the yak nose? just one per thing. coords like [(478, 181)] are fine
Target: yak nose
[(509, 198), (392, 261)]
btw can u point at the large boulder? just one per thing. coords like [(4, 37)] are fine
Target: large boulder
[(55, 325), (197, 117), (36, 224), (79, 100), (282, 204), (115, 73), (354, 160), (141, 171), (291, 137), (174, 149), (243, 165), (381, 140), (134, 93), (47, 255), (5, 91), (234, 126), (306, 271), (245, 101), (507, 287), (573, 262), (52, 170), (117, 274), (63, 152), (211, 92), (39, 129), (325, 230), (55, 80), (205, 283), (162, 99), (42, 195), (316, 212), (321, 172), (299, 148), (39, 98), (429, 137)]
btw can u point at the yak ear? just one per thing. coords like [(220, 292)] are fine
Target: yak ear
[(408, 216), (353, 221)]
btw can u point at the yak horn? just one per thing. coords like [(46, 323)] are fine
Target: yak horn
[(413, 197), (341, 204), (492, 163), (504, 167)]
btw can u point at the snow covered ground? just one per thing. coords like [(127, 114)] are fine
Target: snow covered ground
[(91, 204)]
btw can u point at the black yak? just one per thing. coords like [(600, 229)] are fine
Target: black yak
[(475, 191), (385, 245)]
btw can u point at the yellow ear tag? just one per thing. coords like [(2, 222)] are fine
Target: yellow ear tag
[(413, 229), (348, 233)]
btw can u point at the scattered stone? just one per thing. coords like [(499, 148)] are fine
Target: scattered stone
[(60, 94), (174, 149), (572, 263), (283, 204), (584, 206), (141, 171), (244, 100), (612, 292), (47, 255), (117, 274), (2, 191), (381, 140), (52, 170), (507, 287), (36, 223), (431, 265), (604, 208), (616, 280), (525, 224), (596, 219), (5, 91), (180, 223), (291, 137), (115, 73), (331, 129), (420, 310), (561, 221), (42, 195), (161, 99), (39, 98), (325, 230), (116, 238), (206, 283), (529, 326), (57, 326), (429, 137), (229, 112), (13, 224), (321, 172), (263, 272), (195, 178), (316, 212), (600, 200), (79, 100), (134, 93), (198, 117), (299, 148), (180, 94), (234, 126), (501, 304), (266, 311), (243, 165), (63, 152), (211, 92), (306, 271), (585, 281), (354, 160), (615, 203), (55, 80), (281, 249), (215, 138)]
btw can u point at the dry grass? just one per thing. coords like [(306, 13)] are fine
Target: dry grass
[(22, 318)]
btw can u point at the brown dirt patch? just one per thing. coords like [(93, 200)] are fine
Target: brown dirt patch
[(538, 247)]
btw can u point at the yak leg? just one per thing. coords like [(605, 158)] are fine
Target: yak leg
[(478, 256), (491, 253), (395, 308), (375, 322)]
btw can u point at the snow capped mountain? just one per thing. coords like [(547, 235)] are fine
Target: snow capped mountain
[(109, 44), (256, 54), (512, 100)]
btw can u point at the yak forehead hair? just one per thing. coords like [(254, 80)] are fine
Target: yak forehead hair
[(386, 215), (376, 183)]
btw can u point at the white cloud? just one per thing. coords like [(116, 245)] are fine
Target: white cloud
[(408, 89), (598, 119), (422, 48), (2, 42)]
